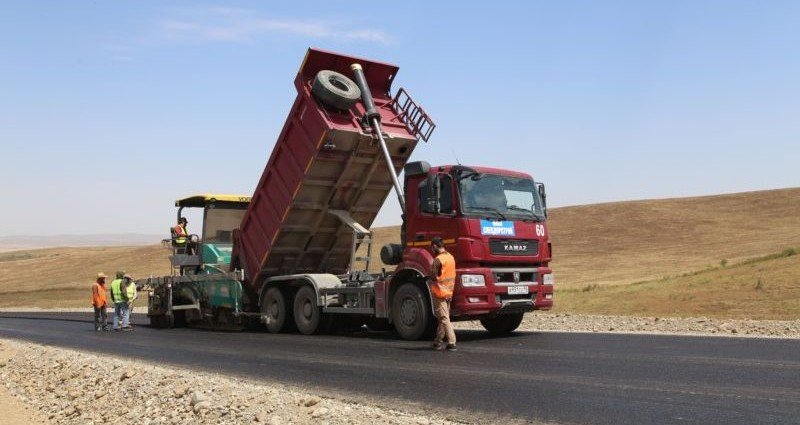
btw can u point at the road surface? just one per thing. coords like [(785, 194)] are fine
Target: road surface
[(529, 376)]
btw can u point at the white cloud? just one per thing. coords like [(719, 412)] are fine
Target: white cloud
[(221, 24)]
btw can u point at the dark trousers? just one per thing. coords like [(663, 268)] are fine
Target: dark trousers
[(100, 317)]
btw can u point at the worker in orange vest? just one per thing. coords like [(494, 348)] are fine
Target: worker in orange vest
[(443, 282), (100, 303)]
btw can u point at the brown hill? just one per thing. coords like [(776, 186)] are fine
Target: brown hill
[(603, 244), (60, 277), (766, 287), (624, 242)]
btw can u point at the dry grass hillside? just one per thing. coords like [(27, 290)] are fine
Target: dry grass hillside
[(765, 287), (57, 277), (624, 242), (663, 243)]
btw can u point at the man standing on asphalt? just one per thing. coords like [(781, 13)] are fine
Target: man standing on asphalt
[(129, 293), (120, 303), (100, 303), (443, 282)]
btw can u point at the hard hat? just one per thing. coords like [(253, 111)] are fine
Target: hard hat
[(120, 275), (101, 275), (127, 276)]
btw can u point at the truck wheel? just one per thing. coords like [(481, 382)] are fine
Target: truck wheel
[(410, 312), (163, 321), (306, 311), (378, 325), (169, 321), (335, 90), (503, 324), (157, 322), (274, 310)]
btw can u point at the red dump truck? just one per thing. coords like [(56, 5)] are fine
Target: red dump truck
[(301, 254)]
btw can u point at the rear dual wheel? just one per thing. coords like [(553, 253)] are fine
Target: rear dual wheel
[(307, 313), (282, 311), (275, 311)]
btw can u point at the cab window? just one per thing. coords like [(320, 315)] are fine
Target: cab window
[(445, 198)]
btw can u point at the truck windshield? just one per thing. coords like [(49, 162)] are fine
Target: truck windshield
[(501, 196), (219, 224)]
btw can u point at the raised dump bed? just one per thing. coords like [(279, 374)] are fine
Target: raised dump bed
[(324, 160)]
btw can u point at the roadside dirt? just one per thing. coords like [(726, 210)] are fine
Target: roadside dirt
[(74, 387), (14, 411), (701, 326)]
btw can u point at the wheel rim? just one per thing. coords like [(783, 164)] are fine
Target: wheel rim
[(408, 311), (307, 310), (273, 309)]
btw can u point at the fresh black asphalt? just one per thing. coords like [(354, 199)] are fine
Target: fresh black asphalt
[(529, 376)]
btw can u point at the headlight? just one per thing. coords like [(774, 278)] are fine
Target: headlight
[(547, 279), (472, 280)]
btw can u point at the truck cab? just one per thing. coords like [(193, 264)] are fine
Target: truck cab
[(493, 221)]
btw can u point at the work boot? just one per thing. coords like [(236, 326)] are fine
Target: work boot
[(98, 329), (437, 346), (127, 329), (451, 347)]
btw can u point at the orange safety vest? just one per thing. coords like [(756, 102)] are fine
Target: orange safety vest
[(98, 295), (446, 280), (181, 235)]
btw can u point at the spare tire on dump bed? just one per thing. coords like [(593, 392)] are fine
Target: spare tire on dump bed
[(335, 90)]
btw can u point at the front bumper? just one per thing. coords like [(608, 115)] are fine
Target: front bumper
[(497, 295)]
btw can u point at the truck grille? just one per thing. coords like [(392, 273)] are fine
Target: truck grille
[(512, 277), (513, 247)]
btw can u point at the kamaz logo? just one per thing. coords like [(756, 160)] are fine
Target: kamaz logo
[(515, 247)]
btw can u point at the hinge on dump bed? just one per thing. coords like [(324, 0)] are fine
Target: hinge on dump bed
[(415, 118), (361, 235)]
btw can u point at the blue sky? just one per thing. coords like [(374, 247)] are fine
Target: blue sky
[(111, 110)]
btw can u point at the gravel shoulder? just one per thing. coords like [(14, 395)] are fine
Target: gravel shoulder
[(701, 326), (64, 386), (14, 410)]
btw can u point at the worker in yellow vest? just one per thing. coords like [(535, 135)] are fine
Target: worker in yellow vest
[(130, 294), (119, 298), (442, 286)]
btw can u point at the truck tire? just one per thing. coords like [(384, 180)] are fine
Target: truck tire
[(164, 321), (335, 90), (275, 311), (392, 254), (411, 313), (306, 311), (378, 325), (503, 324)]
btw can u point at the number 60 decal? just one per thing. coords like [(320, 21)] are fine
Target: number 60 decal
[(540, 230)]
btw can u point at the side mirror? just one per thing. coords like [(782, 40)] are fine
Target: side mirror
[(432, 194), (543, 195)]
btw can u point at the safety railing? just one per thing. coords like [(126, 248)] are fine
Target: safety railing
[(415, 118)]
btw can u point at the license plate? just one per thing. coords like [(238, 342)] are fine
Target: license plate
[(517, 290)]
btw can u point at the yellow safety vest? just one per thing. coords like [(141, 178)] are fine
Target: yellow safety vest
[(116, 291), (130, 291)]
